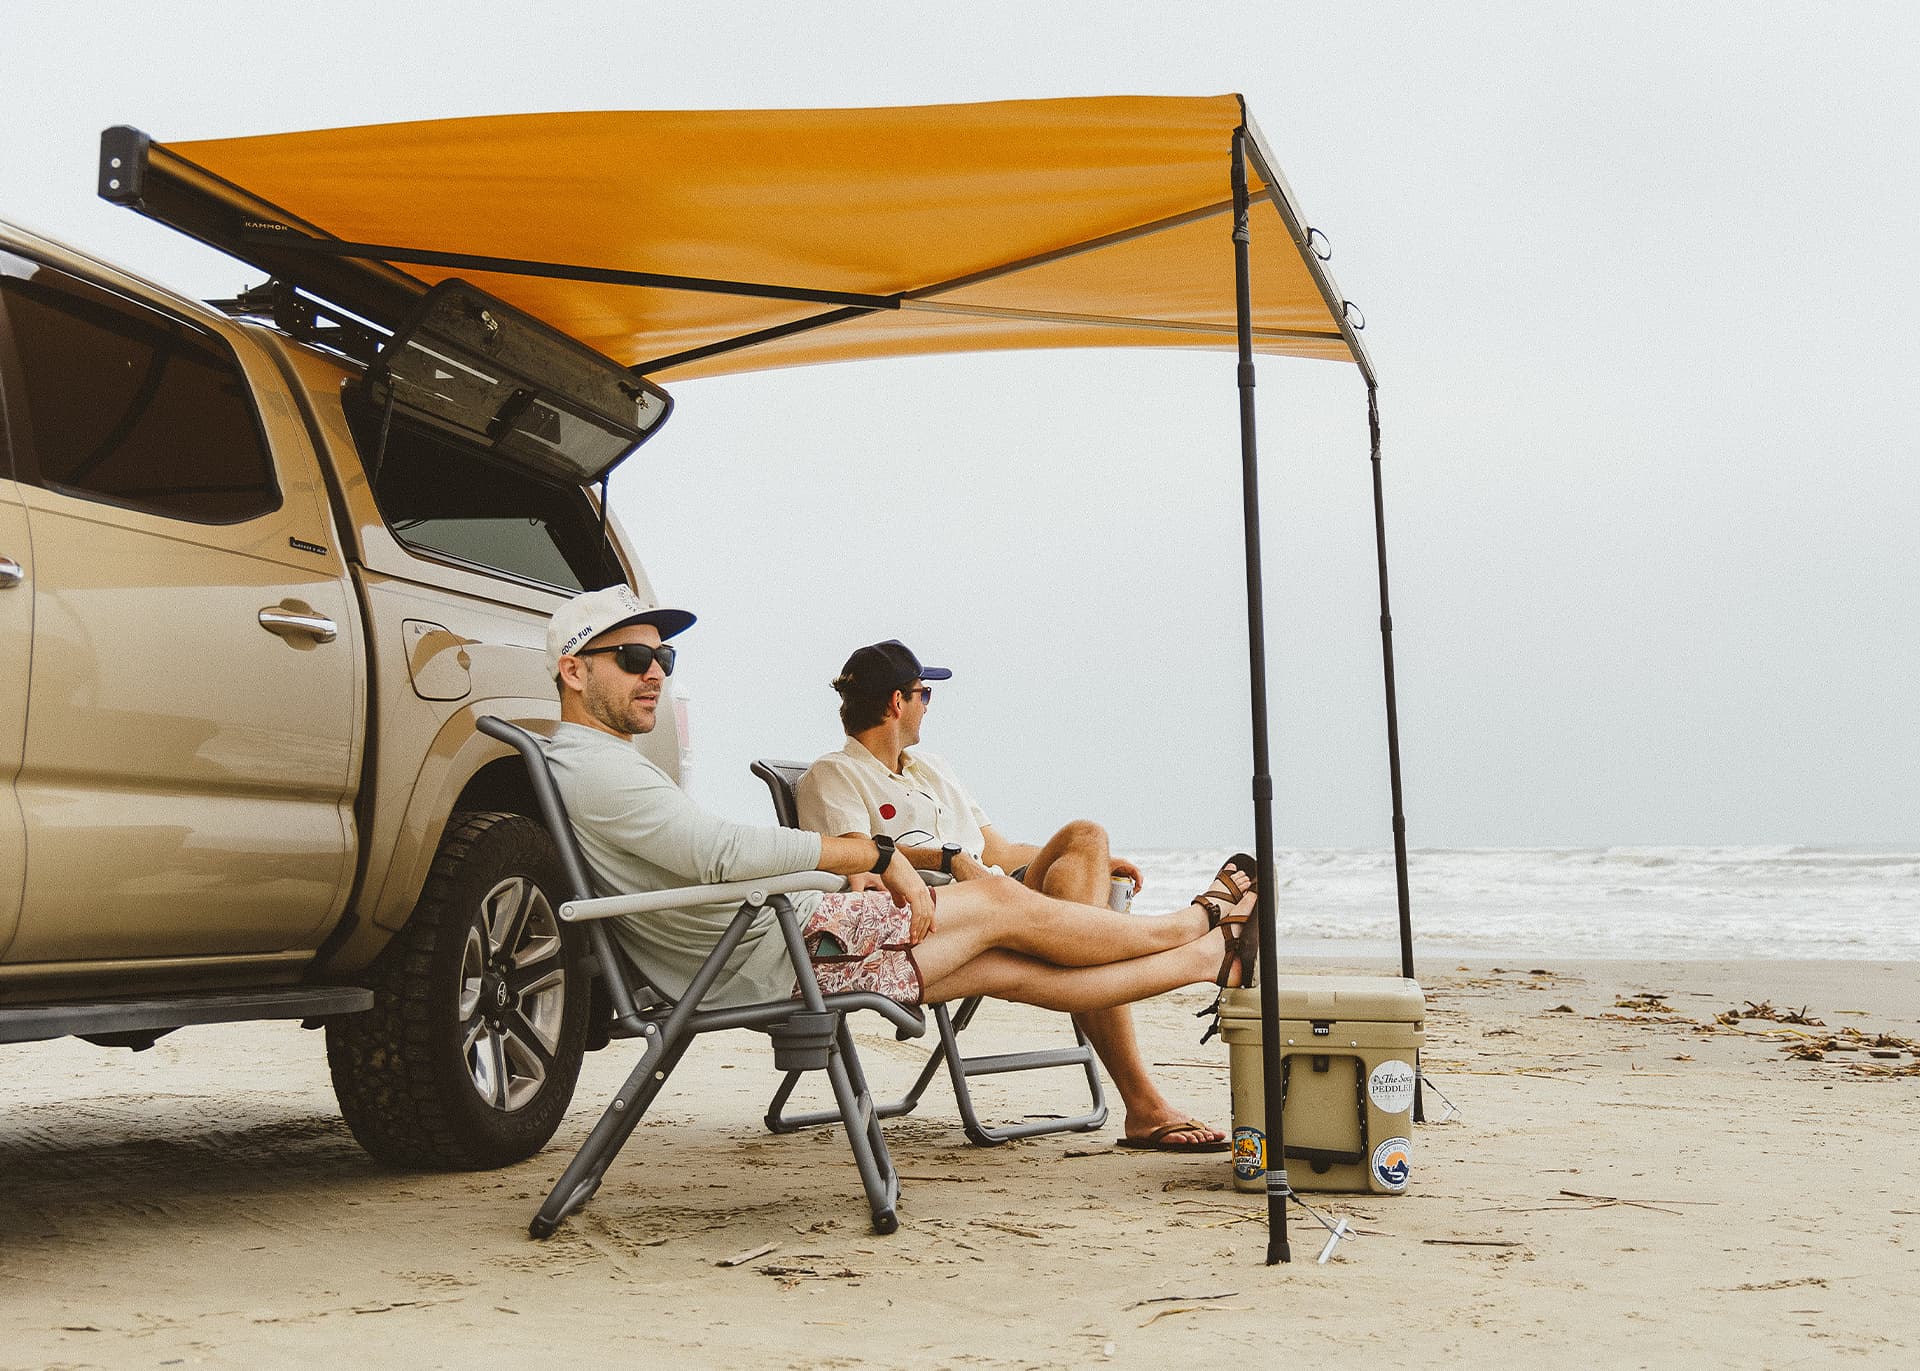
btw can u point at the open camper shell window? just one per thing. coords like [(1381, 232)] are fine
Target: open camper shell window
[(529, 395)]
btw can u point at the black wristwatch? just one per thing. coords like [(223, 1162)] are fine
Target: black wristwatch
[(948, 851), (885, 859)]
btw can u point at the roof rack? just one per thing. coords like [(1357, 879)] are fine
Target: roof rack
[(306, 319)]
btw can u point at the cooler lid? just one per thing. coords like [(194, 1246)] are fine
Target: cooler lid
[(1348, 999)]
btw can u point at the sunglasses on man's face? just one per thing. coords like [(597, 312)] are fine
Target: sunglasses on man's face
[(925, 693), (634, 658)]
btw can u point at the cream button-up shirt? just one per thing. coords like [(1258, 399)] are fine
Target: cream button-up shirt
[(923, 804)]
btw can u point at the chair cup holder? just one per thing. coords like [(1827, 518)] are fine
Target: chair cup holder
[(803, 1042)]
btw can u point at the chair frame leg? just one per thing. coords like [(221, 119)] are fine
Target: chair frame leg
[(622, 1115), (959, 1069), (878, 1175)]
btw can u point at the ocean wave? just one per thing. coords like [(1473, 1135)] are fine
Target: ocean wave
[(1777, 901)]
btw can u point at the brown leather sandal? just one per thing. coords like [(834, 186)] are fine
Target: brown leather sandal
[(1242, 942), (1236, 875)]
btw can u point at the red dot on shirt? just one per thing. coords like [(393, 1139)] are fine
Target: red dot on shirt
[(888, 811)]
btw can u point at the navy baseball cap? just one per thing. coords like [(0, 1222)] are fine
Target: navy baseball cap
[(879, 669)]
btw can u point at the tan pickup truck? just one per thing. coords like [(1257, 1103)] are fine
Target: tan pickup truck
[(261, 568)]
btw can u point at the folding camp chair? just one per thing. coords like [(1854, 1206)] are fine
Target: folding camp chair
[(809, 1032), (781, 777)]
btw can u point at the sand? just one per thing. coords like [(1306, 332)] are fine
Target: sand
[(1619, 1188)]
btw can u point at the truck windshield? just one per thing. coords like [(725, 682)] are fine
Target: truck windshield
[(441, 497)]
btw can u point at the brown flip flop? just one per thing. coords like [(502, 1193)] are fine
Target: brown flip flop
[(1157, 1141)]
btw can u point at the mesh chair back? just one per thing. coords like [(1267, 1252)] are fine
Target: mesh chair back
[(781, 777)]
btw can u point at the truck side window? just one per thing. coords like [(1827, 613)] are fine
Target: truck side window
[(440, 496), (129, 406)]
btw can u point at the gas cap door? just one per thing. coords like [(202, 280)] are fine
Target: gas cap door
[(437, 661)]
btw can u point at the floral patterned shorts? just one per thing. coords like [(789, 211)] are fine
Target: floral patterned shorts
[(860, 940)]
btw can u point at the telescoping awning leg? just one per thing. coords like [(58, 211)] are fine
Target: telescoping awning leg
[(1393, 718), (1276, 1158)]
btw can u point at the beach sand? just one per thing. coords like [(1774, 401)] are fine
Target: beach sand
[(1620, 1187)]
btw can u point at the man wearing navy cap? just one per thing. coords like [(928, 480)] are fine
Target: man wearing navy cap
[(875, 785)]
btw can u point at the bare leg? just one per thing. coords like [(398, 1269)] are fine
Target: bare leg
[(972, 917), (1027, 980), (1077, 864)]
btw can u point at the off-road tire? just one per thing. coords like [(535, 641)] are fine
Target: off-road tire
[(414, 1073)]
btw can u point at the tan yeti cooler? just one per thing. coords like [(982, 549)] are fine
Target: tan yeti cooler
[(1350, 1048)]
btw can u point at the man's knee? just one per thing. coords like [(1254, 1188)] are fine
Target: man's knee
[(997, 894), (1082, 835)]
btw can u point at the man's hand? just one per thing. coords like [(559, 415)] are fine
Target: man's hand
[(865, 880), (910, 892), (1123, 867)]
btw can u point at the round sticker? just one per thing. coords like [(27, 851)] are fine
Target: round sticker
[(1393, 1163), (1390, 1087), (888, 811), (1249, 1153)]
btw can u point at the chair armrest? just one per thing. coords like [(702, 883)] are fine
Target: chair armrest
[(756, 892)]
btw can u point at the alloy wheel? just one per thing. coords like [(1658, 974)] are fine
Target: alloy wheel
[(513, 993)]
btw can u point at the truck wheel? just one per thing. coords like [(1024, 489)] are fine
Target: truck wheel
[(469, 1056)]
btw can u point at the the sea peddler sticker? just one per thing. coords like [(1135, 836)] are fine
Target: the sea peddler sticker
[(1393, 1163), (1249, 1153), (1390, 1087)]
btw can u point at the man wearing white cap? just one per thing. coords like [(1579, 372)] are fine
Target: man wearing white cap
[(640, 832), (875, 784)]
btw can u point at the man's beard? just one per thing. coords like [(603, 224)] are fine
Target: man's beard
[(616, 709)]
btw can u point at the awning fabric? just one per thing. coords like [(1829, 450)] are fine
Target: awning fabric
[(1124, 202)]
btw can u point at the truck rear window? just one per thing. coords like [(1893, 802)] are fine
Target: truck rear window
[(441, 497)]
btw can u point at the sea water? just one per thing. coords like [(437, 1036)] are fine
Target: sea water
[(1685, 903)]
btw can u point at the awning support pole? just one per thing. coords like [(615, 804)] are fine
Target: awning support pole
[(1393, 714), (1276, 1152)]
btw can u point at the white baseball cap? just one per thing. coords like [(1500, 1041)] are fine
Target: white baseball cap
[(589, 614)]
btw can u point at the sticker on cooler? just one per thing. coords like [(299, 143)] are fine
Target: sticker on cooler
[(1249, 1153), (1393, 1163), (1390, 1087)]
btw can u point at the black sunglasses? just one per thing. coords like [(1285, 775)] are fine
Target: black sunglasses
[(635, 658), (925, 693)]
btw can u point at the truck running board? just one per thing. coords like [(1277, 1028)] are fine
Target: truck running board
[(136, 1023)]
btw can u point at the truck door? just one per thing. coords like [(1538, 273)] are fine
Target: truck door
[(190, 748), (16, 631)]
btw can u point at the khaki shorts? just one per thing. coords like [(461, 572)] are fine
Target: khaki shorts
[(875, 948)]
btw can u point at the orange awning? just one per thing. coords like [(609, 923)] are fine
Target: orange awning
[(1017, 224)]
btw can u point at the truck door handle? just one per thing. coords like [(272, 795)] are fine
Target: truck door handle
[(10, 573), (286, 622)]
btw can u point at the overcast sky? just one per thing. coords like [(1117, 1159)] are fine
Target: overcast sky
[(1641, 293)]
